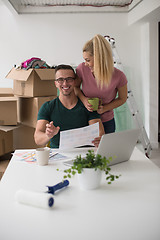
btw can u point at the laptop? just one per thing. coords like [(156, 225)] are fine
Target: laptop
[(118, 145)]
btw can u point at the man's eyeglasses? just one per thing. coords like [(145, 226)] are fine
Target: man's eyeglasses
[(68, 80)]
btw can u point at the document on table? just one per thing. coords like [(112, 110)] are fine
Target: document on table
[(30, 155), (79, 137)]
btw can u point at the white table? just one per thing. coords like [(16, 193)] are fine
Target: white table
[(129, 209)]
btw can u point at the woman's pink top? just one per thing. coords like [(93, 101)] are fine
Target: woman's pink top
[(107, 94)]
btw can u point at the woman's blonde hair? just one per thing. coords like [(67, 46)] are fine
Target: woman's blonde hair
[(100, 48)]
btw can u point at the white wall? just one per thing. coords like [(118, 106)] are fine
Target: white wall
[(56, 38), (154, 82), (147, 16), (59, 38)]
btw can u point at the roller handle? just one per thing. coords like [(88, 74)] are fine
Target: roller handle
[(53, 189)]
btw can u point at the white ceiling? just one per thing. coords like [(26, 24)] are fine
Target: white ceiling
[(50, 6)]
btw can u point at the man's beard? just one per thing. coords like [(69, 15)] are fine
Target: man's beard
[(66, 94)]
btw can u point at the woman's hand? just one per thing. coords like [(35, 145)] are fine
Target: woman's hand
[(87, 104)]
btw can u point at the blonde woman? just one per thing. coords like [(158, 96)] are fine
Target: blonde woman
[(99, 78)]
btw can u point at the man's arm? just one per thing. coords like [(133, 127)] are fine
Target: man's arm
[(44, 132), (101, 130)]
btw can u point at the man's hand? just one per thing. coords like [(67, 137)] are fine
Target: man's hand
[(101, 109), (51, 130), (96, 141)]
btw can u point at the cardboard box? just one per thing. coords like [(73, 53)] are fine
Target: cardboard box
[(8, 111), (6, 142), (29, 107), (6, 92), (33, 82), (23, 138)]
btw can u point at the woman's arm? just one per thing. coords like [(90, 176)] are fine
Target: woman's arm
[(121, 99), (81, 96)]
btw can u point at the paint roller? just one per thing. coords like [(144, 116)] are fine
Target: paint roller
[(36, 199)]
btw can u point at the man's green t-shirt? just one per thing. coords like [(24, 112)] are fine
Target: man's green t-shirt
[(65, 118)]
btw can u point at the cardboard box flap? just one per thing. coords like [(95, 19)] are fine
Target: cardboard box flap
[(8, 99), (19, 74), (6, 92), (46, 74), (9, 128)]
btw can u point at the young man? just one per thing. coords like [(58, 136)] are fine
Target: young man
[(65, 112)]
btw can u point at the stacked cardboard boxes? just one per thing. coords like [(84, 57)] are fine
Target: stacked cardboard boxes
[(8, 107), (8, 116), (31, 89), (6, 141)]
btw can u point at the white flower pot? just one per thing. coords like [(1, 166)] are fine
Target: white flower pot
[(89, 178)]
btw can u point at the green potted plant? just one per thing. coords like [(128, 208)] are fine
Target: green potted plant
[(89, 169)]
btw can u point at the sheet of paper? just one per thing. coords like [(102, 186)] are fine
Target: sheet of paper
[(30, 155), (57, 157), (26, 156), (79, 136)]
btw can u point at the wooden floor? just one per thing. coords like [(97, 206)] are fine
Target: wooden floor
[(155, 154), (4, 161)]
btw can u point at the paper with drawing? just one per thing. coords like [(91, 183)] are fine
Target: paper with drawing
[(79, 136)]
